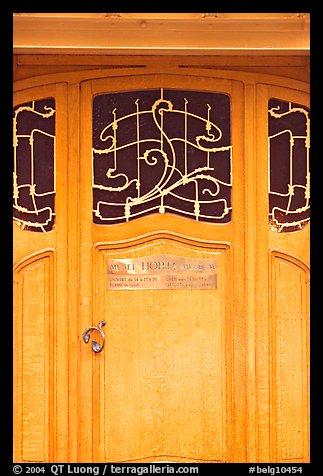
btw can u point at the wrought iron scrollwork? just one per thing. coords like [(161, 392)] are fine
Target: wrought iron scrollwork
[(34, 165), (289, 158), (161, 151)]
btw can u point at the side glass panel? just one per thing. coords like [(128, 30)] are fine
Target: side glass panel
[(161, 151), (289, 175), (34, 165)]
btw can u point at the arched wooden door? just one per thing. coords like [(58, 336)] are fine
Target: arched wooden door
[(162, 227), (163, 384)]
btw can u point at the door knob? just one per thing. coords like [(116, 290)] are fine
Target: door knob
[(96, 346)]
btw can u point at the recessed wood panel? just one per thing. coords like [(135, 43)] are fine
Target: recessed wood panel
[(289, 293), (34, 303), (164, 375)]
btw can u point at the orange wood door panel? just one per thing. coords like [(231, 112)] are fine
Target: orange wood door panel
[(165, 377), (165, 381)]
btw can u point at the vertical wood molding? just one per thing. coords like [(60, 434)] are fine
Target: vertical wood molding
[(60, 341), (262, 342), (73, 224), (86, 417), (238, 301), (251, 264)]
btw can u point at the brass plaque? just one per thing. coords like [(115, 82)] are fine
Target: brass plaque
[(162, 272)]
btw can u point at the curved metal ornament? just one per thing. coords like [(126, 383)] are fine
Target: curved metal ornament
[(96, 346), (161, 151), (34, 154), (289, 159)]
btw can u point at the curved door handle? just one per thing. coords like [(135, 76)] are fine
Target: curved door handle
[(96, 347)]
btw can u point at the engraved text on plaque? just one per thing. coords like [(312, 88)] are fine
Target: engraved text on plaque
[(162, 272)]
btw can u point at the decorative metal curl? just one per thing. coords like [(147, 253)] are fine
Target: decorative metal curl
[(96, 347), (158, 169)]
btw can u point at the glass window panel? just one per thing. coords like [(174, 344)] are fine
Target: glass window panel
[(289, 175), (161, 151), (34, 165)]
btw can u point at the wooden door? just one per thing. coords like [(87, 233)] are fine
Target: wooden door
[(40, 274), (190, 373), (166, 386), (283, 236)]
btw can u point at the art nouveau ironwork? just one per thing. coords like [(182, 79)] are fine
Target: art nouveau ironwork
[(161, 151), (289, 174), (34, 165)]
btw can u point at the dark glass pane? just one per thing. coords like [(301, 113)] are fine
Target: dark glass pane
[(34, 165), (161, 151), (289, 155)]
